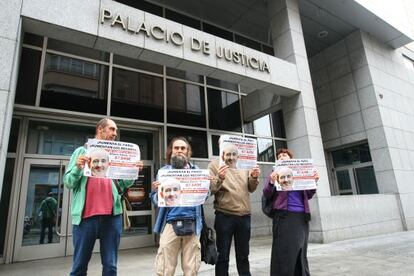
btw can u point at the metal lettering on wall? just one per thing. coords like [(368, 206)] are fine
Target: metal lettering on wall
[(176, 38)]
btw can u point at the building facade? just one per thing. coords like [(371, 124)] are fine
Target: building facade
[(331, 80)]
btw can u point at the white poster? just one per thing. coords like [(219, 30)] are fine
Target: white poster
[(182, 187), (238, 152), (112, 159), (295, 174)]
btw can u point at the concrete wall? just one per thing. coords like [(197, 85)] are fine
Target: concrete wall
[(394, 85), (364, 92)]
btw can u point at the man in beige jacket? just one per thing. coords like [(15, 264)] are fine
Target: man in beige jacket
[(231, 188)]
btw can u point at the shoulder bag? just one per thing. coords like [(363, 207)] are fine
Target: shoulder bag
[(126, 206), (208, 243)]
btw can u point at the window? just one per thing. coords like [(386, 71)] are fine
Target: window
[(185, 103), (354, 171), (247, 42), (137, 64), (223, 110), (33, 39), (222, 84), (211, 29), (56, 139), (278, 124), (184, 75), (183, 19), (74, 84), (78, 50), (14, 135), (143, 5), (28, 77), (137, 95), (265, 151)]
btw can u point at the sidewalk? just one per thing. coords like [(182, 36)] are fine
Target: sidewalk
[(391, 254)]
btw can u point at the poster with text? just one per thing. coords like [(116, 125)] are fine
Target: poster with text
[(238, 152), (183, 187), (111, 159), (295, 174)]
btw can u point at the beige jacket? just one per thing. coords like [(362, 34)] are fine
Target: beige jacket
[(232, 195)]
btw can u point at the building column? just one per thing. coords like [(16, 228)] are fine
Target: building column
[(10, 36), (301, 119)]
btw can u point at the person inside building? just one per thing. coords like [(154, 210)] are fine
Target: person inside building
[(231, 188), (171, 220), (96, 208), (99, 162), (290, 225), (47, 215)]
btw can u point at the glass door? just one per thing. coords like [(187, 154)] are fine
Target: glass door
[(141, 215), (43, 219)]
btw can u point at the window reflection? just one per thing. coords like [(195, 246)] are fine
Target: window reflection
[(137, 95), (54, 139), (137, 64), (185, 104), (78, 50), (222, 84), (215, 144), (351, 155), (74, 84), (278, 124), (265, 151), (259, 127), (184, 75), (224, 110)]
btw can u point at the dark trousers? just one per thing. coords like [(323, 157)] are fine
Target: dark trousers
[(108, 230), (46, 223), (290, 245), (226, 227)]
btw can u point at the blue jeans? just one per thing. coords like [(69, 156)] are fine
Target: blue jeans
[(108, 230), (226, 227)]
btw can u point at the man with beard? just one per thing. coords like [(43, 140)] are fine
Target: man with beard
[(171, 220), (96, 208), (231, 188)]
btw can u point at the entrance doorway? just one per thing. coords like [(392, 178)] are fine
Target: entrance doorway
[(44, 202)]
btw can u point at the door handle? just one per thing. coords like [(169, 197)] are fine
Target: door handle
[(58, 214)]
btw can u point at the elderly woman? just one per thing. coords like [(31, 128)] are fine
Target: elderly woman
[(290, 225)]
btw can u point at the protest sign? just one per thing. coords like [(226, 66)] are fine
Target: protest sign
[(112, 159), (182, 187), (295, 174), (241, 152)]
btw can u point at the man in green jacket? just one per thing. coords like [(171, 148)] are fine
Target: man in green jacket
[(96, 208), (47, 212)]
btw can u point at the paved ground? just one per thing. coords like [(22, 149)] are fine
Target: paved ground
[(391, 254)]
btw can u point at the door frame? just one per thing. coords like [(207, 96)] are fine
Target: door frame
[(41, 251), (352, 176), (21, 155)]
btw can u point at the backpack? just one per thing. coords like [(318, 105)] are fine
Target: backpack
[(267, 206)]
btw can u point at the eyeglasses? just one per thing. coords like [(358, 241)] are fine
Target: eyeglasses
[(180, 148)]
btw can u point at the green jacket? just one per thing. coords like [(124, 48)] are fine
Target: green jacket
[(74, 179), (48, 207)]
